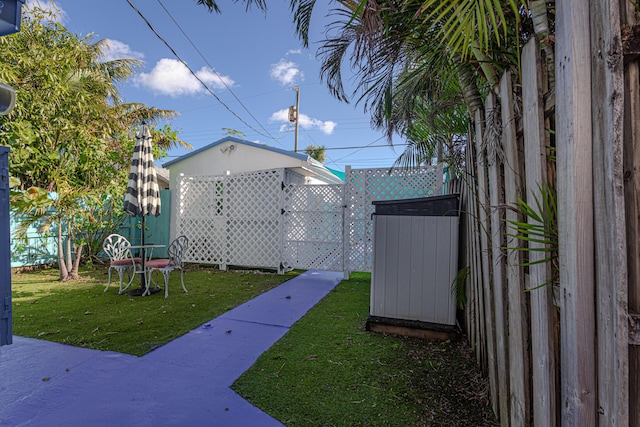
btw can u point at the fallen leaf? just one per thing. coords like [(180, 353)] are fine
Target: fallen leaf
[(46, 378), (86, 313)]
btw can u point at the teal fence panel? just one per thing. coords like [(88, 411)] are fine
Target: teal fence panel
[(157, 228), (39, 249), (36, 249)]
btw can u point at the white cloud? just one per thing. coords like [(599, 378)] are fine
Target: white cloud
[(117, 50), (286, 72), (305, 122), (294, 52), (57, 13), (171, 77)]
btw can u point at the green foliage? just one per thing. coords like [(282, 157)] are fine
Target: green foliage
[(328, 371), (70, 131), (458, 287), (317, 152), (542, 229), (233, 132), (102, 217), (79, 313)]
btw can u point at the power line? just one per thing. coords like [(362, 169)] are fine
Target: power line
[(193, 73), (213, 69)]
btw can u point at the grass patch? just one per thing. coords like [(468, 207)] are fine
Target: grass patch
[(79, 313), (328, 371)]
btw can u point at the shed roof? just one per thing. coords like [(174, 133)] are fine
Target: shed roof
[(309, 165), (298, 156)]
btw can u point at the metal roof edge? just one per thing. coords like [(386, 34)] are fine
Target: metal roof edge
[(299, 156)]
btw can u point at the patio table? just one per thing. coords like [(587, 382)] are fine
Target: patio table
[(146, 252)]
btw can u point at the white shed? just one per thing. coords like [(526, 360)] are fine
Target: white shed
[(229, 156)]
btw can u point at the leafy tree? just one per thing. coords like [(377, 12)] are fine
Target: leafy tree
[(69, 134), (233, 132), (317, 152)]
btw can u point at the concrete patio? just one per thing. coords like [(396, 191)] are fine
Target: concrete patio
[(183, 383)]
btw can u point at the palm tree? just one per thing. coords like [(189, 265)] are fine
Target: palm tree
[(415, 57)]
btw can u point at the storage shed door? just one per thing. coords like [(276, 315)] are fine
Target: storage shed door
[(415, 262)]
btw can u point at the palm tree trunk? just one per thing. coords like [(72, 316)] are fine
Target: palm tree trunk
[(61, 263), (470, 91), (538, 10), (75, 271)]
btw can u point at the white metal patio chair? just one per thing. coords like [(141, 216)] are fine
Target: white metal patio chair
[(176, 252), (118, 249)]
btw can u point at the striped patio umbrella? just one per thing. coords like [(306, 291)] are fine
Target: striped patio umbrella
[(143, 194)]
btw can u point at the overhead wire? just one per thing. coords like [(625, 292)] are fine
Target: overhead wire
[(212, 68), (266, 133), (194, 74)]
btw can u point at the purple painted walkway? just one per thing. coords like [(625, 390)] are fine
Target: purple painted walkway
[(183, 383)]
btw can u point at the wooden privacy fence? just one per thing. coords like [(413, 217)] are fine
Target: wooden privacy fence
[(564, 353)]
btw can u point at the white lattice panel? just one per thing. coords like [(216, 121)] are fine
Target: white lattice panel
[(364, 186), (200, 218), (232, 219), (313, 218), (252, 208)]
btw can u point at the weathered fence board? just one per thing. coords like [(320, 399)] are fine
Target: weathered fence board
[(483, 217), (610, 250), (517, 310), (575, 214), (631, 166), (497, 256), (535, 150)]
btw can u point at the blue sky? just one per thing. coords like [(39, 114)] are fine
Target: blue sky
[(249, 60)]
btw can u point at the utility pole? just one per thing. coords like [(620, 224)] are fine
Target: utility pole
[(294, 115)]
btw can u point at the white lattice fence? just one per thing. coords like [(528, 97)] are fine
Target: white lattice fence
[(313, 227), (364, 186), (254, 220), (199, 217)]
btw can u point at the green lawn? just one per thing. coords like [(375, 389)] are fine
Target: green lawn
[(328, 371), (79, 313)]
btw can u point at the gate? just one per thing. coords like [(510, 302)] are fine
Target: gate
[(313, 223)]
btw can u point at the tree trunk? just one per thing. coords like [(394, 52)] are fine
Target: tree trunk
[(75, 271), (470, 92), (61, 264), (69, 238), (541, 27)]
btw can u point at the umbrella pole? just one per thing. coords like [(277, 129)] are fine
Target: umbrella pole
[(144, 258)]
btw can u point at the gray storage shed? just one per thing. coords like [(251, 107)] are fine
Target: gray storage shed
[(415, 260)]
